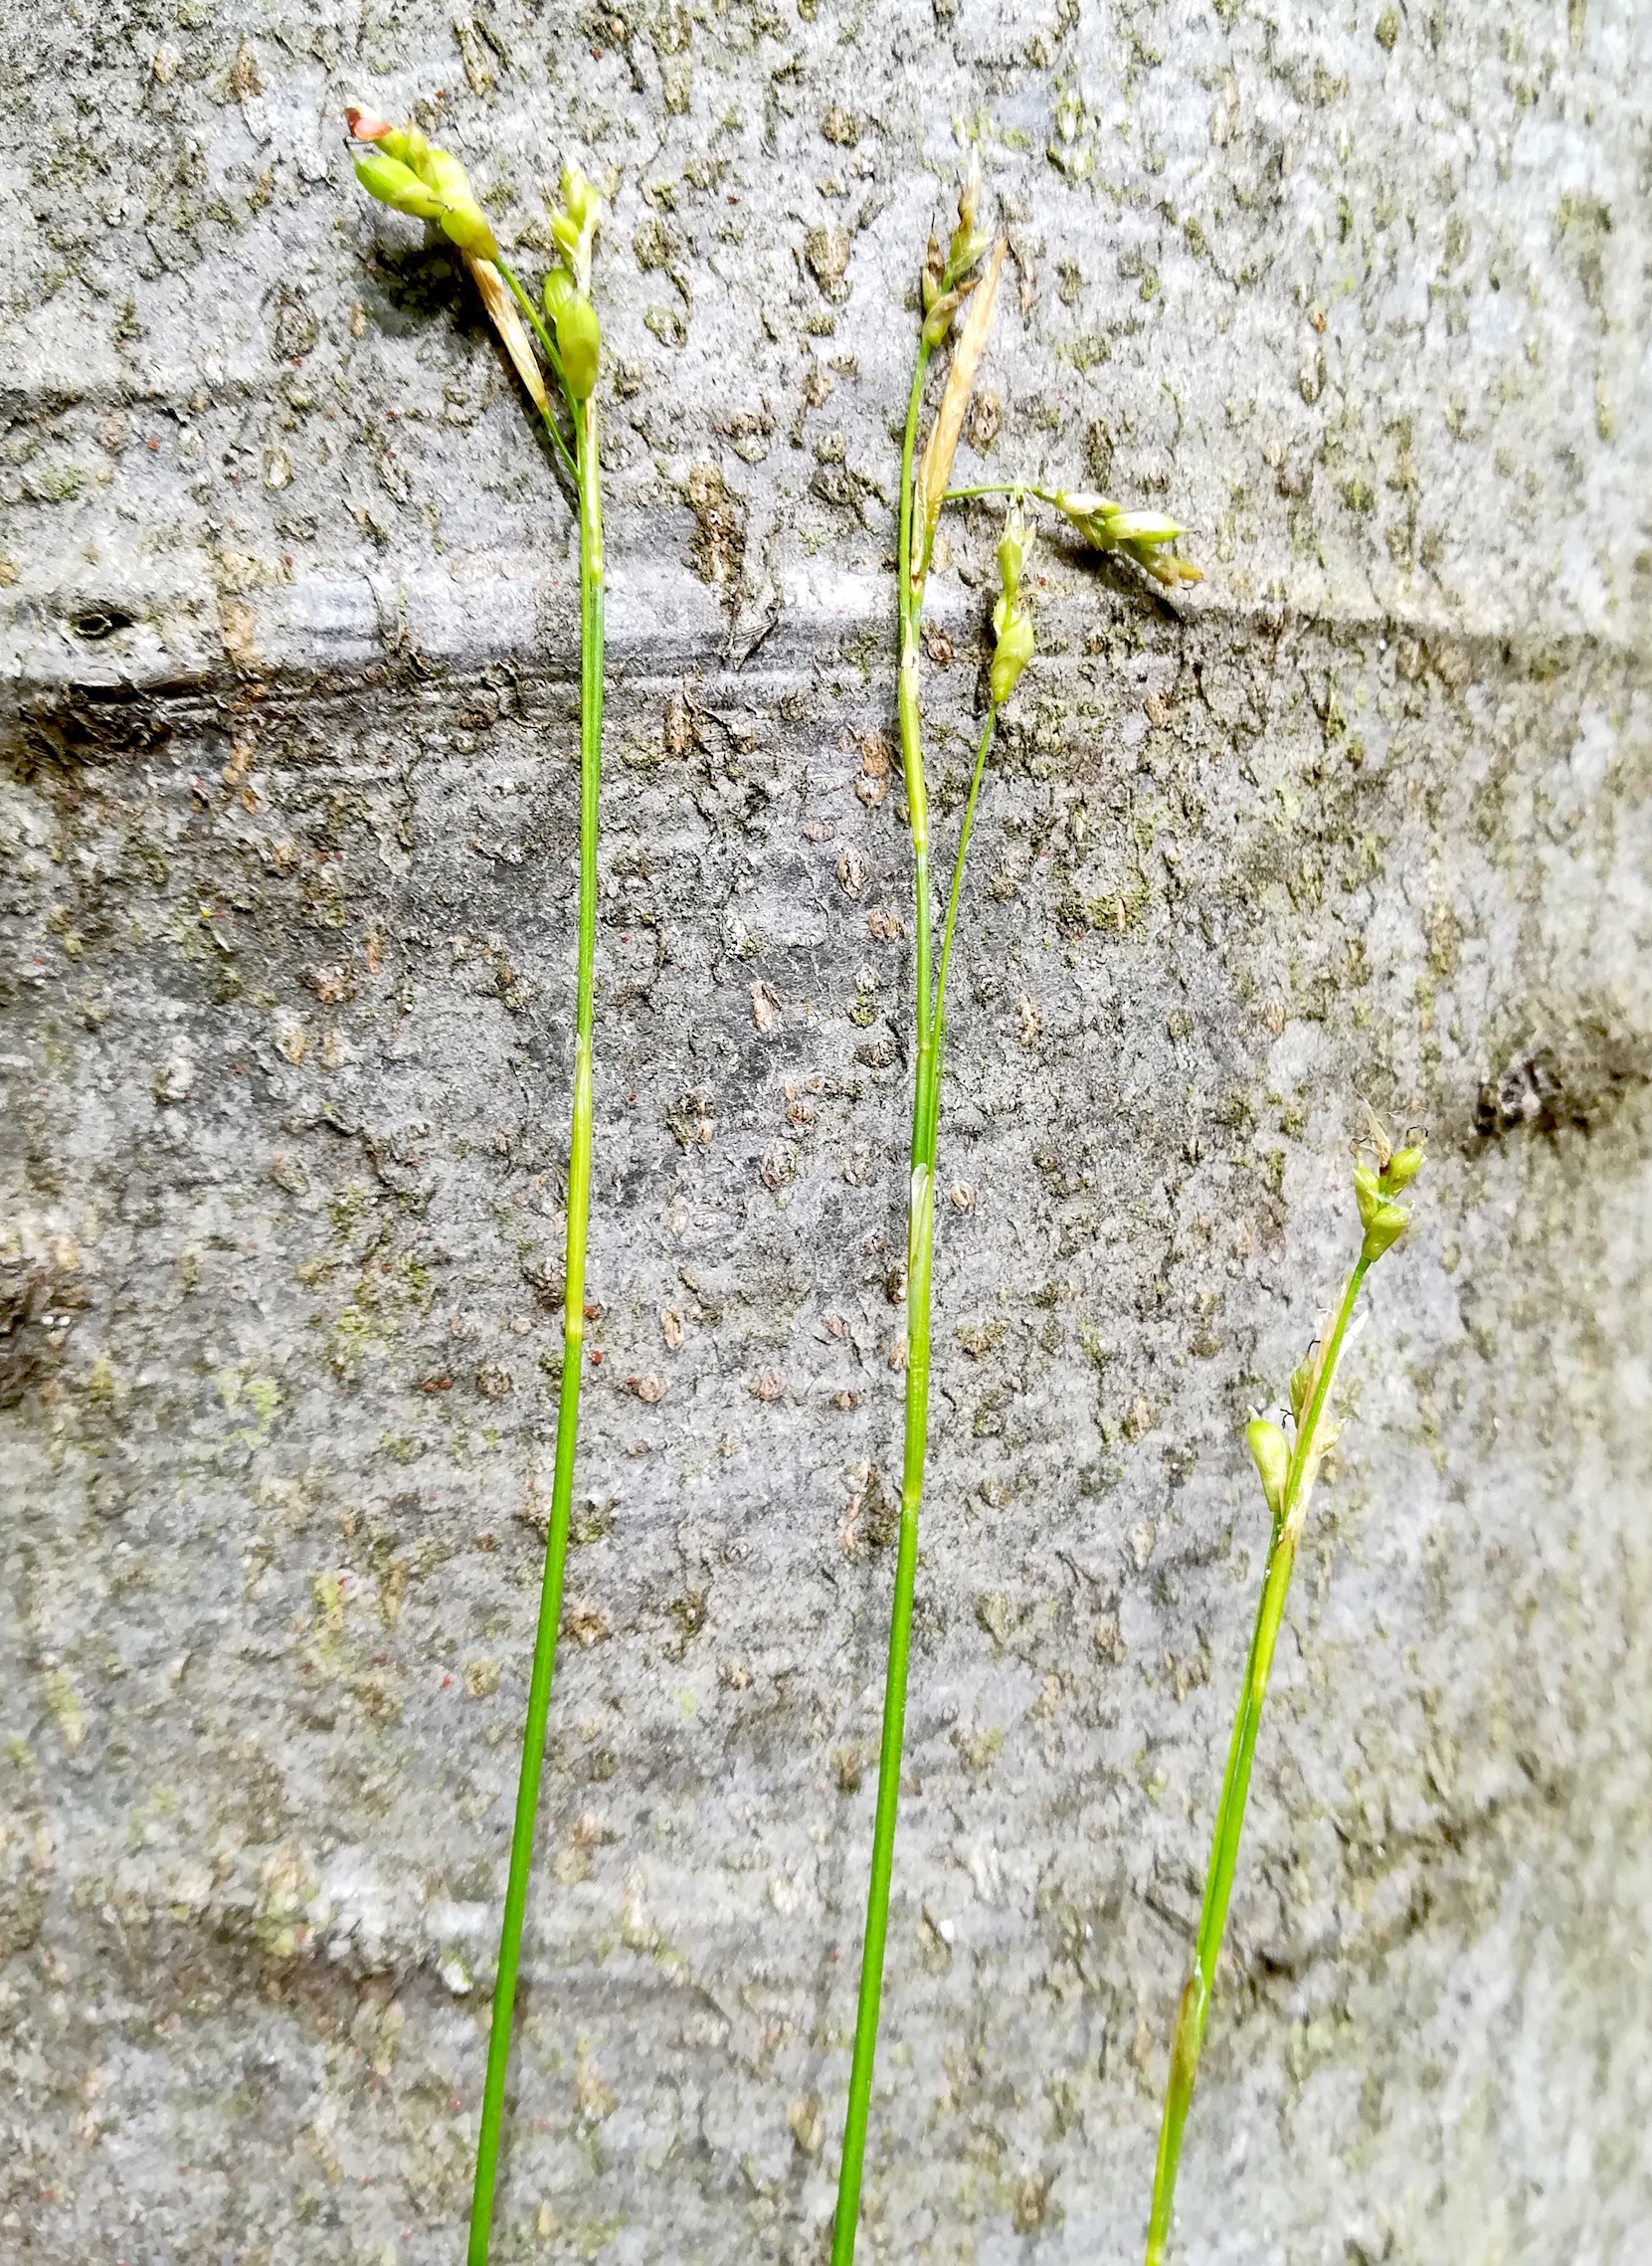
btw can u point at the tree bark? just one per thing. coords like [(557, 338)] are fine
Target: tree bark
[(289, 818)]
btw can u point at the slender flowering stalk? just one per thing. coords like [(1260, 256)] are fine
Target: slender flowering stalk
[(405, 172), (1287, 1468), (953, 283)]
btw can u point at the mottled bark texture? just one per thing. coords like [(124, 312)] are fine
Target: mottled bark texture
[(289, 832)]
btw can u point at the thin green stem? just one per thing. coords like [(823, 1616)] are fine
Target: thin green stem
[(1194, 2005), (588, 475), (939, 1018), (1001, 488), (919, 1245)]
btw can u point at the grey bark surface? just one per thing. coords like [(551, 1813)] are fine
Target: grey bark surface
[(289, 823)]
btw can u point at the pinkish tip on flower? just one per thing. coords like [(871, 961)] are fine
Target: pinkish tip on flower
[(365, 126)]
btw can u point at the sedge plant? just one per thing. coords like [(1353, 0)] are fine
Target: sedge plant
[(1287, 1465), (961, 282), (402, 170)]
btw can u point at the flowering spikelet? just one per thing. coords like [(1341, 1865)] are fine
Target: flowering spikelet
[(568, 306), (1012, 622), (1144, 537), (405, 172)]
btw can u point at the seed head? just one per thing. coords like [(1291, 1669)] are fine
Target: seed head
[(1383, 1230), (1304, 1378), (1395, 1167), (1271, 1455), (397, 186), (1015, 546), (969, 242), (931, 274), (578, 333), (1375, 1187), (1141, 536), (1402, 1168), (411, 175), (1012, 619), (574, 225)]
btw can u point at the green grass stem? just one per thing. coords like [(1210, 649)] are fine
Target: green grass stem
[(588, 475), (1189, 2035)]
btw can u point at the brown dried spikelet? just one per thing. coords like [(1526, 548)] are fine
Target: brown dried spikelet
[(935, 469), (507, 321)]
